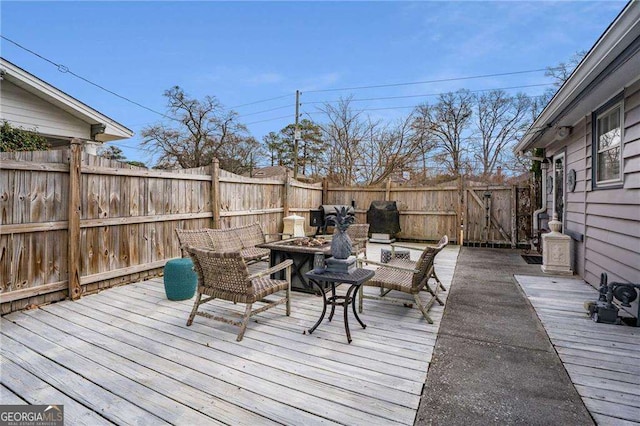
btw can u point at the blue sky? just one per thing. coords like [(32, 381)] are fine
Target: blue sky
[(242, 52)]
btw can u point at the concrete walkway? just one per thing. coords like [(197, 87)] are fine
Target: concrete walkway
[(493, 362)]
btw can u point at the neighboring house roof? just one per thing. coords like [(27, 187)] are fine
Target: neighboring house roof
[(611, 64), (273, 171), (43, 90)]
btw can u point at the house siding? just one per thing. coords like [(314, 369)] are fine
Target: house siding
[(608, 219), (612, 240), (574, 203), (23, 109)]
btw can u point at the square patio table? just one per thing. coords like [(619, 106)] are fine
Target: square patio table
[(302, 257), (355, 279)]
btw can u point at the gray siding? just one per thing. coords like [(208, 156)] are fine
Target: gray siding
[(612, 242), (608, 219), (575, 201), (574, 204)]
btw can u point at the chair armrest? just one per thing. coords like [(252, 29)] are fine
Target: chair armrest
[(386, 265), (394, 245), (280, 266)]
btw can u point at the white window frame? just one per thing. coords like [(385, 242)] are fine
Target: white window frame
[(616, 103)]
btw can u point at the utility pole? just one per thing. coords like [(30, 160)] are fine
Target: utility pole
[(296, 137)]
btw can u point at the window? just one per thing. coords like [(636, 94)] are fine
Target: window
[(607, 144)]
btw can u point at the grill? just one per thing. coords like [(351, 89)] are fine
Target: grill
[(318, 217), (383, 218)]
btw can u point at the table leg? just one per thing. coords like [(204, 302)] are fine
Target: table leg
[(333, 299), (345, 308), (355, 291), (324, 306)]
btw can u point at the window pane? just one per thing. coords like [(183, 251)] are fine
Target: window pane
[(609, 130), (609, 164)]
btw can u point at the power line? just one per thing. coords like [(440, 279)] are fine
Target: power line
[(394, 107), (268, 119), (65, 70), (443, 80), (431, 94), (122, 144), (263, 111), (260, 101)]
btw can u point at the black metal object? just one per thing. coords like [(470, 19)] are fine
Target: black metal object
[(383, 217), (604, 310), (318, 216), (532, 260), (355, 279), (303, 261)]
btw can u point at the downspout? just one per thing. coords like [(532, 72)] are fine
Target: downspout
[(544, 166)]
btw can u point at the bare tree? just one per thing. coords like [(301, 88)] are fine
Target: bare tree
[(390, 149), (201, 131), (500, 120), (445, 123), (364, 151), (344, 133), (111, 152), (240, 154), (563, 70)]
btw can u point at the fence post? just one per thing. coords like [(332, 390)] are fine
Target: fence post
[(325, 191), (514, 213), (286, 195), (464, 231), (75, 166), (215, 193), (387, 192), (461, 204)]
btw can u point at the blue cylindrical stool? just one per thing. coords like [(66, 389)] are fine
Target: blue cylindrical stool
[(180, 280)]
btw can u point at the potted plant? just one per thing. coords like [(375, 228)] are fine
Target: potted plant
[(341, 243)]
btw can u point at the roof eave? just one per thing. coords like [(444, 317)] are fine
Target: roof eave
[(621, 33), (80, 110)]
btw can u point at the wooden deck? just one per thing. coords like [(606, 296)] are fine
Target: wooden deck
[(602, 360), (125, 356)]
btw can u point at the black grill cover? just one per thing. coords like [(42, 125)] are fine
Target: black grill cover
[(383, 217)]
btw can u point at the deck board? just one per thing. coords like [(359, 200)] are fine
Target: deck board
[(602, 360), (125, 355)]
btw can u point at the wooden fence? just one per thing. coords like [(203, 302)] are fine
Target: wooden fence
[(425, 213), (73, 224)]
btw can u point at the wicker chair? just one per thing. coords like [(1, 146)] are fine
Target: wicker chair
[(438, 248), (224, 275), (194, 238), (243, 239), (359, 234), (405, 276)]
